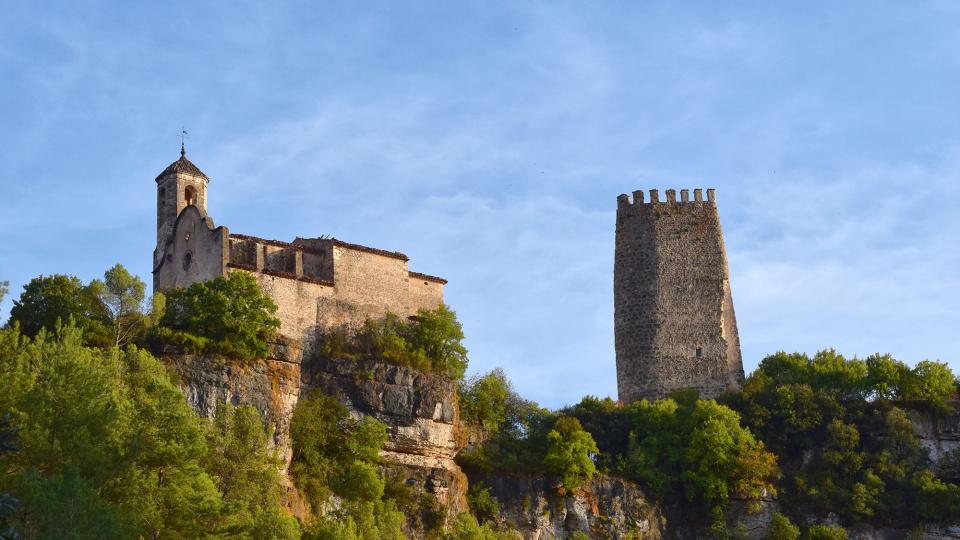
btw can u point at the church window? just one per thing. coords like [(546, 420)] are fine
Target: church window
[(699, 352), (190, 196), (187, 260)]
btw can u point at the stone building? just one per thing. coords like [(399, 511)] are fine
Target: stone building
[(674, 324), (317, 283)]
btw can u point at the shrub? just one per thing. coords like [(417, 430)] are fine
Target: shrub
[(931, 381), (229, 316), (483, 505), (484, 400), (432, 342), (335, 453), (781, 528), (570, 452), (826, 532)]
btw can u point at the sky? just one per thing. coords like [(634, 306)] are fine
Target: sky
[(489, 141)]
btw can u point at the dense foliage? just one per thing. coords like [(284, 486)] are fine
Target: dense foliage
[(229, 316), (110, 312), (109, 448), (49, 300), (690, 453), (485, 399), (521, 437), (842, 431), (431, 342)]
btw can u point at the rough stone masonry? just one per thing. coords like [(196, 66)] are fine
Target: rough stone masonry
[(317, 283), (674, 325)]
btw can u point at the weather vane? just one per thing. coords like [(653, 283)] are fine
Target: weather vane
[(183, 139)]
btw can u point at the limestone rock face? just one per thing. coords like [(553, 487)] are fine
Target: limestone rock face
[(420, 410), (272, 385), (421, 414), (608, 508), (940, 434)]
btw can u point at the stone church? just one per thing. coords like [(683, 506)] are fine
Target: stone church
[(317, 283)]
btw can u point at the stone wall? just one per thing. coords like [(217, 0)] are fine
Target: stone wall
[(370, 280), (171, 201), (322, 283), (674, 322), (198, 251)]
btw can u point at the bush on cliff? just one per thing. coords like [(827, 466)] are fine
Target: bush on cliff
[(485, 400), (334, 454), (109, 448), (781, 528), (844, 445), (697, 450), (570, 452), (533, 440), (229, 316), (431, 342)]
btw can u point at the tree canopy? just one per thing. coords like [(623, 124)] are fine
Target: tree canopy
[(229, 316), (108, 439)]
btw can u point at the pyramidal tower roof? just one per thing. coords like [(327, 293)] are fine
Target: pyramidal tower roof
[(183, 166)]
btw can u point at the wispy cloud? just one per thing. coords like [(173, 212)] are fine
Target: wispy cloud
[(489, 143)]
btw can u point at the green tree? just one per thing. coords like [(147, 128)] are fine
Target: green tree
[(781, 528), (66, 505), (886, 376), (9, 442), (826, 532), (466, 527), (246, 471), (115, 421), (122, 293), (723, 459), (333, 453), (484, 400), (931, 381), (439, 335), (4, 288), (229, 316), (570, 452), (49, 300), (483, 505), (367, 520)]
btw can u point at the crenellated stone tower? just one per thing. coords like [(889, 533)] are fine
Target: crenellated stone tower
[(674, 324)]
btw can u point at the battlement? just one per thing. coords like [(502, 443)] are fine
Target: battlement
[(624, 201)]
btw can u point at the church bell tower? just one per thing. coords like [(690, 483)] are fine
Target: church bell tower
[(180, 185)]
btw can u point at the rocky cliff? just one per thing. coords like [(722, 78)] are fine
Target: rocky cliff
[(419, 409), (604, 508)]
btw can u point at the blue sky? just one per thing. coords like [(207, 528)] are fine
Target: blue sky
[(489, 141)]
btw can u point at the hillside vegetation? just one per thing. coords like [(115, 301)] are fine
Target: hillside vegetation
[(96, 440)]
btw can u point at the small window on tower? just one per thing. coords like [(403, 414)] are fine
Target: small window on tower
[(187, 261), (699, 352), (190, 196)]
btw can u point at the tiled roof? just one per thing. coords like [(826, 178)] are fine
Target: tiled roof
[(183, 166)]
